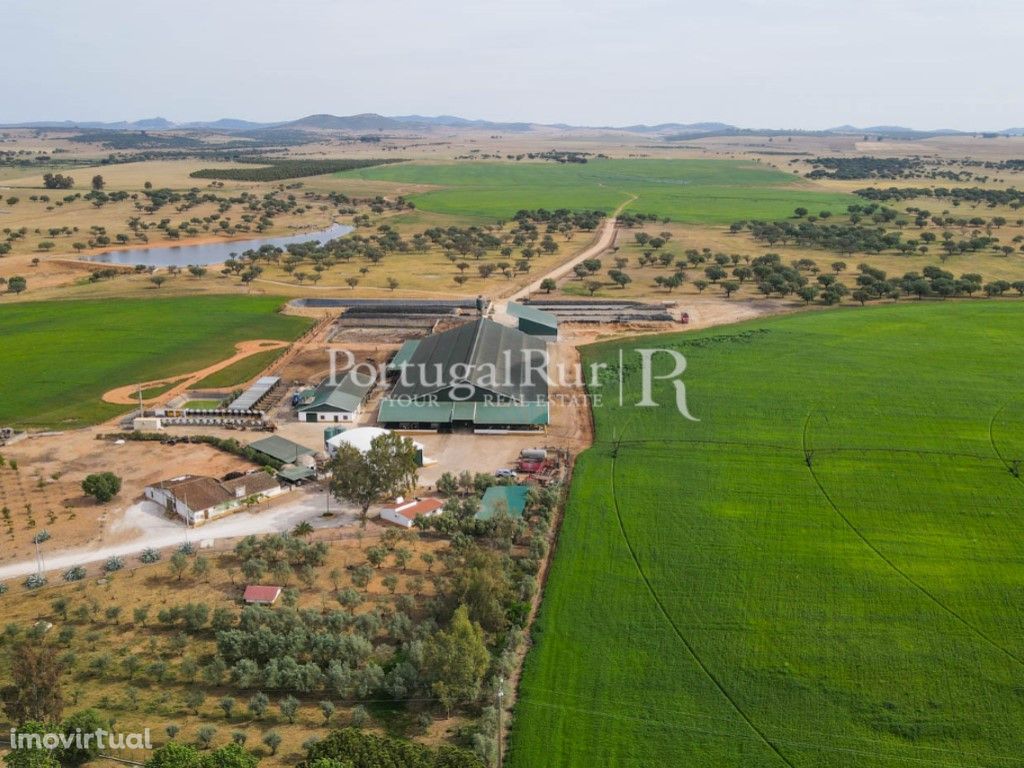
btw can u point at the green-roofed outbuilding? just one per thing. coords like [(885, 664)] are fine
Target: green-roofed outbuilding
[(295, 475), (339, 402), (533, 321), (281, 449)]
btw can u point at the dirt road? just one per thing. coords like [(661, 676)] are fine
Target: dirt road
[(144, 525), (604, 239)]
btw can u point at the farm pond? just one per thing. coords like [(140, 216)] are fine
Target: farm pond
[(202, 254)]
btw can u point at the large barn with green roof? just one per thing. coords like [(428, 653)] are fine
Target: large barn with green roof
[(481, 375)]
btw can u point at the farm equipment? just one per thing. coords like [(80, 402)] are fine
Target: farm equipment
[(532, 460)]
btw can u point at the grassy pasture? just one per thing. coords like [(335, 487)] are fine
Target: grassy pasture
[(696, 191), (240, 372), (825, 570), (56, 361)]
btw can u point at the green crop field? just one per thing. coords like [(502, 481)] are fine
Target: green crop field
[(239, 373), (826, 570), (697, 191), (58, 358)]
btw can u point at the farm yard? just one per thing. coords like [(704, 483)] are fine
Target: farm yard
[(357, 636), (823, 571)]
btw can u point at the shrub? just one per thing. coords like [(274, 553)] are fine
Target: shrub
[(365, 749), (113, 564), (77, 573), (359, 715), (35, 581), (103, 486), (149, 556), (204, 736)]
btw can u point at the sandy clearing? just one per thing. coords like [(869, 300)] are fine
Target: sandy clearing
[(144, 525), (78, 521)]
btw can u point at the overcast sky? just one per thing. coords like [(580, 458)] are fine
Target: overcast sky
[(754, 63)]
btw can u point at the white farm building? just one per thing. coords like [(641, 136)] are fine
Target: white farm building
[(404, 513), (197, 499)]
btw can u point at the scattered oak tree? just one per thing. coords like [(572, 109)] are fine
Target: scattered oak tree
[(387, 469)]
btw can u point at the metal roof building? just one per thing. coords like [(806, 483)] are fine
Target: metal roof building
[(533, 321), (402, 356), (337, 402), (255, 394), (480, 374), (281, 449), (261, 595)]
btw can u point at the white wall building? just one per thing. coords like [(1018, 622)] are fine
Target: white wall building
[(197, 499), (404, 513)]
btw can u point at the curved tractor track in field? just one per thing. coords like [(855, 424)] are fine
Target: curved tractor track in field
[(761, 735), (675, 627), (895, 568), (1008, 463), (129, 394)]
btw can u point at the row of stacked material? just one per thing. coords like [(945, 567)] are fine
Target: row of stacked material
[(594, 311)]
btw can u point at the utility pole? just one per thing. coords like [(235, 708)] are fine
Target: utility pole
[(501, 695), (39, 559)]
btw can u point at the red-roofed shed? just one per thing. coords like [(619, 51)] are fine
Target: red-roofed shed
[(257, 595)]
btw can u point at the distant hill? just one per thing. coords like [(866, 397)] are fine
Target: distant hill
[(679, 128), (228, 124), (368, 122), (149, 124), (364, 122), (452, 121), (897, 130)]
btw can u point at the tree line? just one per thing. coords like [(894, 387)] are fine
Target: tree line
[(1012, 197), (276, 170)]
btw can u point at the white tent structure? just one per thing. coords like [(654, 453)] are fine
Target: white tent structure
[(359, 438)]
